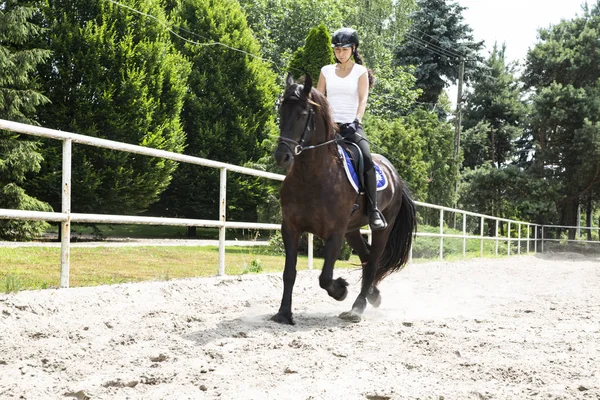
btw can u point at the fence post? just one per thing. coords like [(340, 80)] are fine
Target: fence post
[(65, 226), (497, 239), (464, 235), (310, 250), (528, 236), (542, 238), (222, 218), (441, 234), (519, 239), (509, 238), (535, 239), (481, 232)]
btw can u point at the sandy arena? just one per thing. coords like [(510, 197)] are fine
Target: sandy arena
[(525, 327)]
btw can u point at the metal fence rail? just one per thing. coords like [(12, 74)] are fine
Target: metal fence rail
[(66, 217)]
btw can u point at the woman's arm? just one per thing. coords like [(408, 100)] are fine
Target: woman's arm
[(363, 95), (322, 84)]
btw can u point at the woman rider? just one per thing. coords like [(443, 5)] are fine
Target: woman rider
[(346, 84)]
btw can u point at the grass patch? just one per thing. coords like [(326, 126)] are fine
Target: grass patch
[(428, 248), (157, 232), (26, 268), (11, 284)]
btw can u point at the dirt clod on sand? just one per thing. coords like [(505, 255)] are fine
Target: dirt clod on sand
[(525, 327)]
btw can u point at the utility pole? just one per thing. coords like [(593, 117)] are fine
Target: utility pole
[(461, 73)]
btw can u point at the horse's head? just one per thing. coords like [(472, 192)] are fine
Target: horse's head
[(296, 121)]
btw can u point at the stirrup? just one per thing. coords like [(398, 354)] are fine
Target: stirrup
[(377, 221)]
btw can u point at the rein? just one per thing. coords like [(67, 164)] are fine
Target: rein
[(299, 146)]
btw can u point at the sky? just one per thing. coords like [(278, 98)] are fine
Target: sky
[(515, 22)]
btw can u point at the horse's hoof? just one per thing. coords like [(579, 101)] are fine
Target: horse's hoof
[(283, 318), (342, 296), (339, 289), (350, 316), (374, 298)]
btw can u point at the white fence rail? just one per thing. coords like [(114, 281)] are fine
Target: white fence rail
[(66, 217)]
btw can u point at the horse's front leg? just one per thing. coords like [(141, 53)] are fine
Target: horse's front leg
[(290, 241), (335, 288)]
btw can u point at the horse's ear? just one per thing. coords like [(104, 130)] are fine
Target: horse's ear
[(289, 81), (308, 82)]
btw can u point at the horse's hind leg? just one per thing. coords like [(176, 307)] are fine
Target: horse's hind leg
[(290, 241), (368, 277), (374, 297), (335, 288), (360, 246)]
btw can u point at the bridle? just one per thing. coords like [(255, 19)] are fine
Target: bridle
[(299, 146)]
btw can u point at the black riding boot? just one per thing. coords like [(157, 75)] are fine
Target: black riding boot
[(376, 218)]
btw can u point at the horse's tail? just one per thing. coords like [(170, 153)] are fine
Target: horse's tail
[(397, 250)]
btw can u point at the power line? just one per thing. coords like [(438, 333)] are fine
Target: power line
[(435, 48), (417, 40), (428, 46), (213, 43), (460, 54)]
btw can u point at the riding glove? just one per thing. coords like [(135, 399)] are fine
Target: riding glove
[(351, 128)]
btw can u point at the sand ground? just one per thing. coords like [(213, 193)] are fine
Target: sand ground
[(525, 327)]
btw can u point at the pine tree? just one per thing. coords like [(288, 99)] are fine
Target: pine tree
[(435, 43), (114, 74), (18, 102), (494, 114), (315, 54), (228, 110), (564, 72), (281, 26)]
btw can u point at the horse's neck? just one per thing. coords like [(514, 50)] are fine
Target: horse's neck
[(315, 166), (320, 136)]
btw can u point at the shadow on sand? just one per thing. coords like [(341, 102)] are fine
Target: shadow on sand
[(245, 326)]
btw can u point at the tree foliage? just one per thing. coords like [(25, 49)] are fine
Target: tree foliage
[(494, 113), (113, 74), (315, 54), (228, 109), (403, 143), (19, 98), (281, 26), (380, 24), (508, 192), (565, 132), (435, 42), (419, 145), (393, 94)]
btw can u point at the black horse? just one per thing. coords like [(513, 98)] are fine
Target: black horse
[(317, 197)]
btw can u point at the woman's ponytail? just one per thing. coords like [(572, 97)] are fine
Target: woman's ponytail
[(358, 59)]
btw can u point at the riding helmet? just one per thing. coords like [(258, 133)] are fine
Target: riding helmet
[(344, 37)]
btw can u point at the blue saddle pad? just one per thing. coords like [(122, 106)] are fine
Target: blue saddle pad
[(382, 181)]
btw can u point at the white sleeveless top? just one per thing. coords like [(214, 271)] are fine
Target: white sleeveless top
[(342, 93)]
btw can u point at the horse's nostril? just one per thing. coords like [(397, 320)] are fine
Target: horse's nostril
[(283, 159)]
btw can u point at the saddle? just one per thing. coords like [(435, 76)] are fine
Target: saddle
[(352, 159)]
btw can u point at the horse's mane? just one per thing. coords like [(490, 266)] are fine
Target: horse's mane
[(323, 109)]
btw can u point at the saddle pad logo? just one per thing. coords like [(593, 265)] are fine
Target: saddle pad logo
[(353, 176)]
